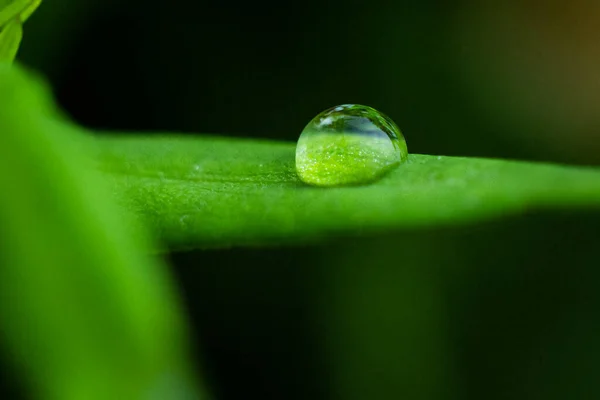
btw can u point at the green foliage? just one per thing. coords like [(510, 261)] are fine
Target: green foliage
[(210, 191), (10, 39), (19, 10), (465, 279), (13, 13), (85, 314)]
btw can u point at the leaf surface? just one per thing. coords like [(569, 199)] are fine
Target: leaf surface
[(208, 191)]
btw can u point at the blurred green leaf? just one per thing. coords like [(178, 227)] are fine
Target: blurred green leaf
[(84, 313), (10, 39), (13, 13), (210, 191), (20, 10), (29, 9)]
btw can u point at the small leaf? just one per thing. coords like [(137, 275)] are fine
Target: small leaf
[(27, 11), (10, 39), (209, 191), (17, 9), (13, 14)]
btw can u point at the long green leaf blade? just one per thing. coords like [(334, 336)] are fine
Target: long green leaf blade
[(209, 191)]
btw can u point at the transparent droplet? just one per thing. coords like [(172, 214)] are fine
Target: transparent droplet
[(348, 145)]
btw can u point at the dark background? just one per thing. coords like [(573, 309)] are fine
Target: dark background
[(504, 309), (516, 80)]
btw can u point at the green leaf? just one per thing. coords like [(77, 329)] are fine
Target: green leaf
[(29, 9), (10, 39), (13, 13), (84, 312), (207, 191), (17, 9)]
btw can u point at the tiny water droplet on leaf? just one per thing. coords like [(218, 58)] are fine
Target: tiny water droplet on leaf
[(348, 145)]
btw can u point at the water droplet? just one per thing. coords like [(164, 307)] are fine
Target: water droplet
[(349, 144)]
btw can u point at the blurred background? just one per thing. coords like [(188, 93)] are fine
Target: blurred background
[(499, 310), (516, 80)]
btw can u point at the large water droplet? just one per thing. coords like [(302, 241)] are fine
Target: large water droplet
[(348, 145)]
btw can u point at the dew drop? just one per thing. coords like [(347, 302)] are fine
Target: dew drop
[(348, 145)]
